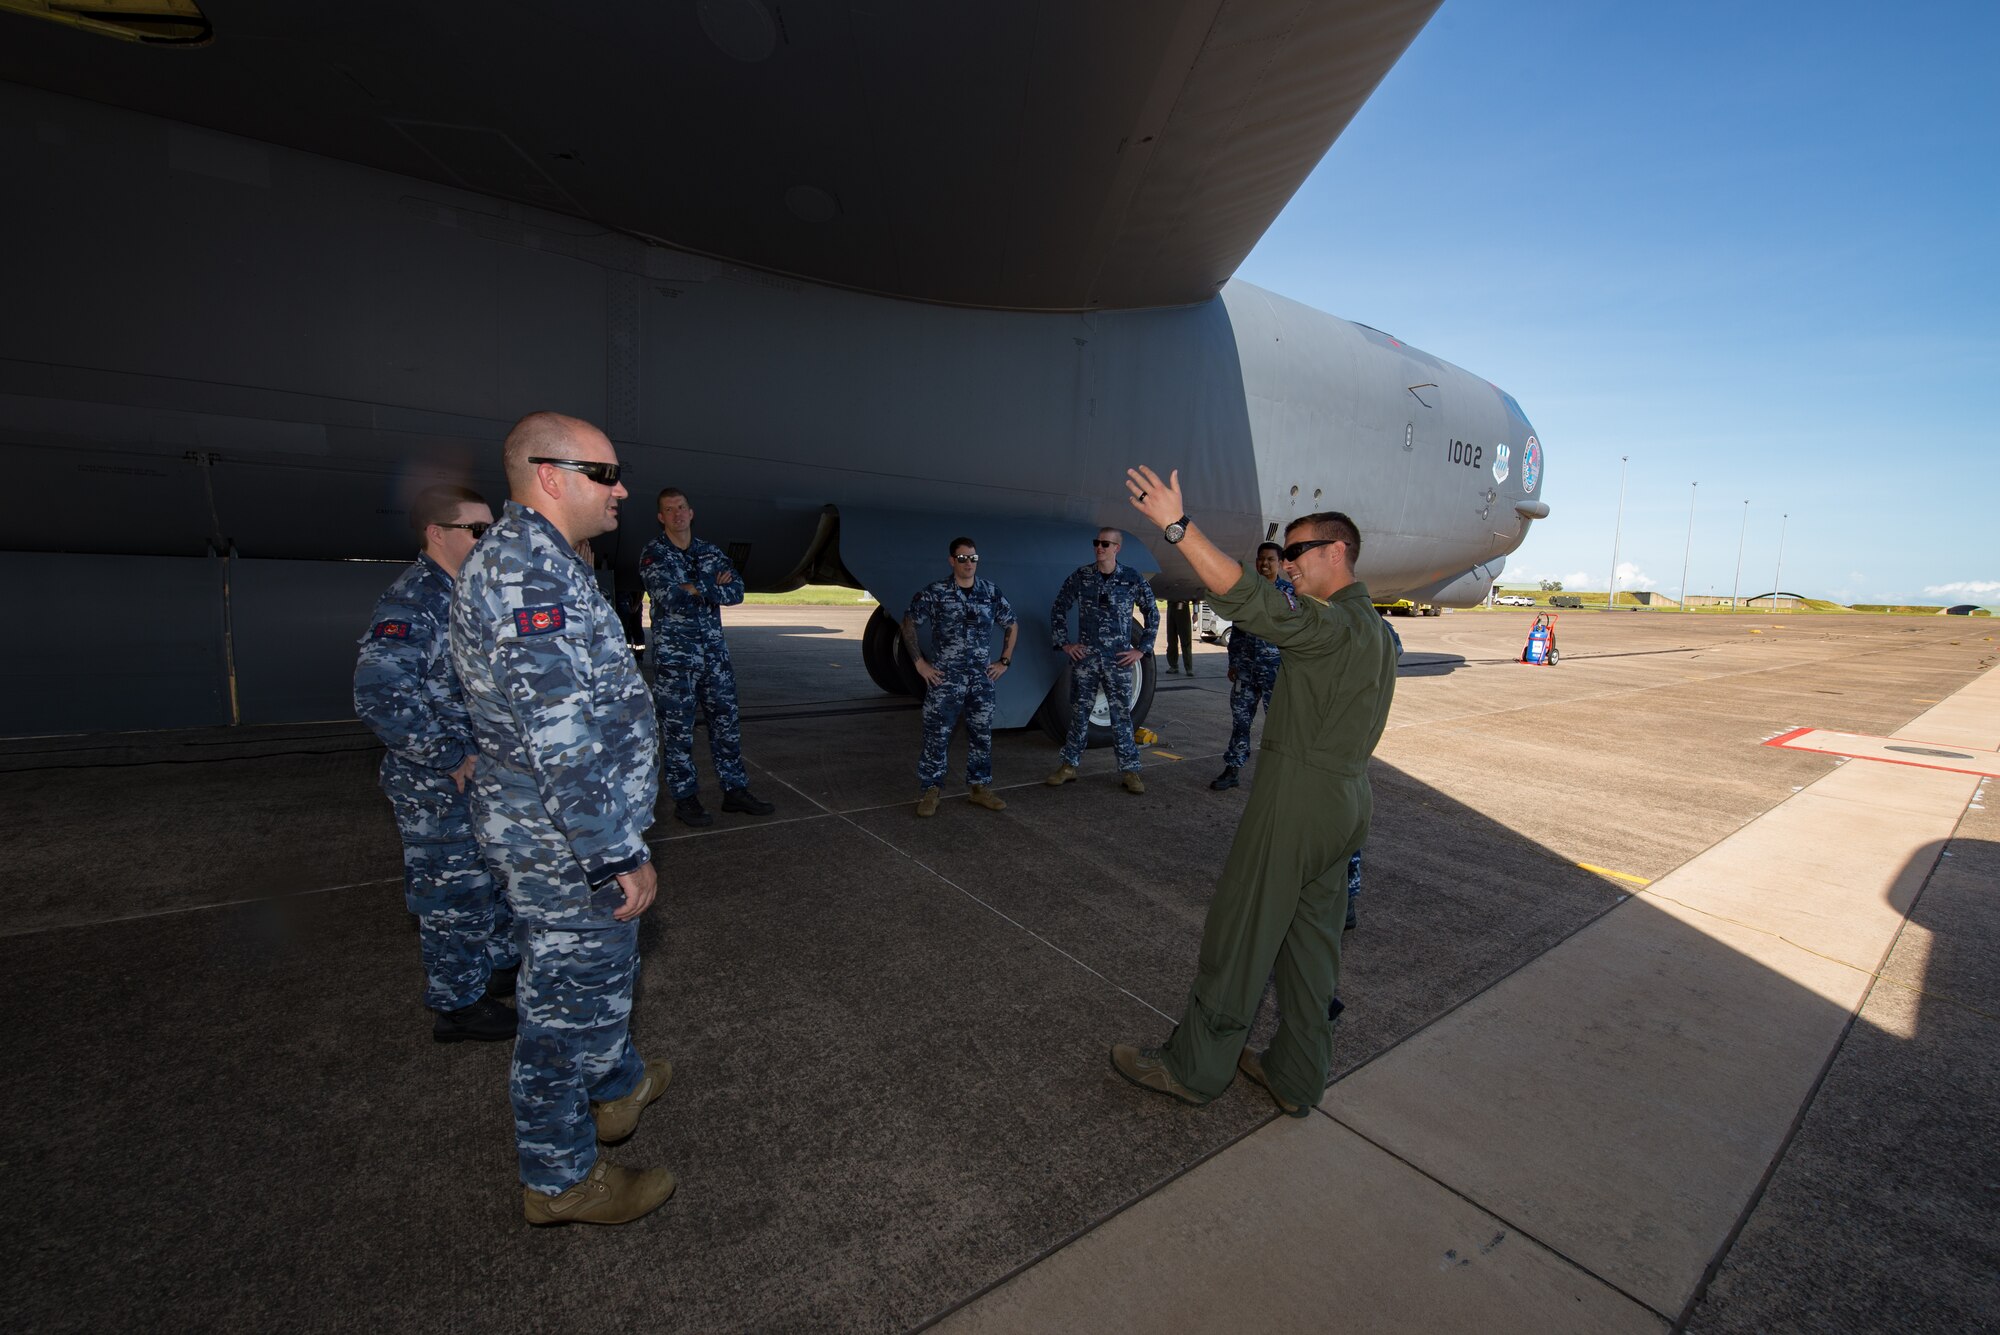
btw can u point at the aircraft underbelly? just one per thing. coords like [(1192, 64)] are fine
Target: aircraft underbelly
[(300, 345)]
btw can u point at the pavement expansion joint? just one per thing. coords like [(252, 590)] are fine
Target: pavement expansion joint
[(181, 909), (1486, 1208), (1018, 925), (1712, 916)]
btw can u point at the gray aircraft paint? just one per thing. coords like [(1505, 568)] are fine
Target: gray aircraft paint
[(1005, 154), (274, 352)]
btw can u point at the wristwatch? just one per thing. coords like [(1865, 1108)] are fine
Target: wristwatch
[(1005, 661), (1177, 530)]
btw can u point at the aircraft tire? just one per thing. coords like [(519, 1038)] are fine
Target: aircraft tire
[(1053, 716), (913, 685), (879, 654)]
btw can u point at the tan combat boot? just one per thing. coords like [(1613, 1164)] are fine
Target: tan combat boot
[(1252, 1065), (1133, 783), (609, 1195), (618, 1118), (982, 796), (1147, 1068), (927, 804), (1064, 773)]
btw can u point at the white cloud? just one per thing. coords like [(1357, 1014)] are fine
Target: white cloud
[(1966, 587), (1631, 577), (1576, 577)]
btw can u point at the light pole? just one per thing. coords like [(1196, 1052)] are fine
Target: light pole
[(1611, 602), (1779, 572), (1737, 587), (1689, 548)]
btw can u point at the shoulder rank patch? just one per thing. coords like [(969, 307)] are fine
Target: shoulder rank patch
[(1290, 597), (539, 620), (392, 630)]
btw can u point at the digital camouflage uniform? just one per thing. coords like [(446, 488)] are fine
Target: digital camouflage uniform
[(962, 622), (407, 693), (691, 660), (562, 798), (1255, 663), (1104, 606), (1282, 896)]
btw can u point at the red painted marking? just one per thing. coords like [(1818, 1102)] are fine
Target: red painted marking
[(1885, 760)]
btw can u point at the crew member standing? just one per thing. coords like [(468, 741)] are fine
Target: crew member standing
[(689, 580), (1253, 675), (1283, 892), (1354, 863), (1104, 593), (1180, 635), (563, 794), (962, 613), (407, 693)]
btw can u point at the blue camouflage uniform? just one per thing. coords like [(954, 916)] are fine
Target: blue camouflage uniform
[(1104, 606), (561, 799), (1255, 663), (962, 622), (691, 660), (407, 693)]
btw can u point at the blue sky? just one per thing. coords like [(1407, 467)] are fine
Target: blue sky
[(1749, 246)]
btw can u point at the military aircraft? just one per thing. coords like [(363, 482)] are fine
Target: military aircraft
[(858, 277)]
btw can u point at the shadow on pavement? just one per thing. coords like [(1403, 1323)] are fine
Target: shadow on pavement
[(889, 1036)]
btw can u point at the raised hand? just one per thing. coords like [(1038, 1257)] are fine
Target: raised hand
[(1158, 501)]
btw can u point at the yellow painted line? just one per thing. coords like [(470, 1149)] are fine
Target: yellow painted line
[(1167, 755), (1615, 875), (1916, 701)]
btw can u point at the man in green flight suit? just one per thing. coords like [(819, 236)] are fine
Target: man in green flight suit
[(1283, 894)]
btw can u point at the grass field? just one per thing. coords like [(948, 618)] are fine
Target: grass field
[(1596, 602), (834, 595), (812, 595)]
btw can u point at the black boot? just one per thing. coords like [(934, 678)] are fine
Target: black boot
[(689, 811), (501, 982), (484, 1021), (747, 802), (1226, 779)]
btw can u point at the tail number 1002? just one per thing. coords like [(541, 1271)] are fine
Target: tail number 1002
[(1472, 456)]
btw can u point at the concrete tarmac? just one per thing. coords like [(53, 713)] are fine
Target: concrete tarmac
[(892, 1104)]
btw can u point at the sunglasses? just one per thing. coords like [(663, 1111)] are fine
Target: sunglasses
[(968, 558), (477, 531), (1298, 549), (1099, 542), (605, 475)]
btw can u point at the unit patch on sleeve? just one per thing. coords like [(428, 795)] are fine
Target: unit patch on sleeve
[(392, 630), (539, 620)]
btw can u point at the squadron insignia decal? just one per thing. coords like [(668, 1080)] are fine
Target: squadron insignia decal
[(538, 620), (1531, 464), (1500, 453)]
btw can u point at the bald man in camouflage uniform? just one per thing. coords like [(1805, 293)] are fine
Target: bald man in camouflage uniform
[(562, 797), (407, 693)]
